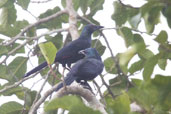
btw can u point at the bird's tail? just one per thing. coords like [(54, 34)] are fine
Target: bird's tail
[(38, 68), (68, 80)]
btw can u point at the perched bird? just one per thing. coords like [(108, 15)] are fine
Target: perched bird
[(85, 69), (69, 53)]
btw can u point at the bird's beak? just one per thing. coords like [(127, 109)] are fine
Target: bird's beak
[(82, 52), (100, 27)]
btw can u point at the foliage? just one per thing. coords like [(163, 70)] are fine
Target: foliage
[(152, 93)]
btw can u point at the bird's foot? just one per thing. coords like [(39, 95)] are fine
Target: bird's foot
[(85, 85)]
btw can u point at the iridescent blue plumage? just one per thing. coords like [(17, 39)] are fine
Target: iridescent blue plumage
[(85, 69)]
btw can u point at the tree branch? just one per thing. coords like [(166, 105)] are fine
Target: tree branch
[(30, 39), (43, 20), (16, 84), (72, 19), (86, 94)]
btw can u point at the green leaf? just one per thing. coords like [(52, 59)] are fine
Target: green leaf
[(11, 47), (162, 37), (23, 3), (120, 14), (135, 20), (162, 63), (95, 5), (126, 33), (11, 108), (152, 95), (49, 51), (125, 57), (149, 67), (121, 105), (84, 6), (65, 102), (76, 4), (17, 67), (3, 50), (8, 14), (151, 14), (15, 91), (110, 65), (3, 71), (166, 12), (3, 2), (145, 54), (120, 84), (99, 46), (13, 30), (136, 66), (57, 40), (54, 23)]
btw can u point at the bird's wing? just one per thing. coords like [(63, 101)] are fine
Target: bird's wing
[(90, 66), (72, 49)]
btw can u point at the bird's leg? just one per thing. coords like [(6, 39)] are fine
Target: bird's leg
[(85, 85), (63, 78), (67, 68)]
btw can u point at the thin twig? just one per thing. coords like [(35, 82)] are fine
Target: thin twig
[(108, 88), (16, 83), (38, 2), (135, 30), (129, 6), (100, 93)]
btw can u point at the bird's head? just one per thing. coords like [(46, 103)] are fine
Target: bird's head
[(90, 53), (90, 28)]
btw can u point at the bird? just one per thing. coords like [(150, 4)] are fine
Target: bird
[(85, 69), (69, 54)]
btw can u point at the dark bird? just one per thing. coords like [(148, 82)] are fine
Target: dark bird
[(69, 53), (85, 69)]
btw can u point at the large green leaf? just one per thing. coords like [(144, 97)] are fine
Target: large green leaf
[(162, 37), (54, 23), (84, 6), (120, 14), (125, 57), (2, 2), (145, 54), (8, 14), (13, 30), (95, 5), (11, 108), (11, 47), (71, 103), (162, 63), (134, 17), (3, 71), (149, 67), (57, 40), (152, 95), (99, 46), (23, 3), (17, 68), (166, 12), (120, 105), (126, 33), (3, 50), (151, 13), (136, 66), (76, 3), (120, 84), (49, 51), (110, 65)]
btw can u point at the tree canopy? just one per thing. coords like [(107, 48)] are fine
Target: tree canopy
[(19, 41)]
